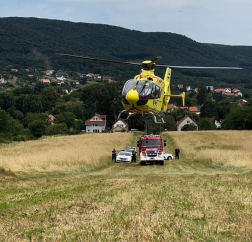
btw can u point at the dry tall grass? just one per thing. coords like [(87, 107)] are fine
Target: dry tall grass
[(61, 153), (127, 202), (225, 147)]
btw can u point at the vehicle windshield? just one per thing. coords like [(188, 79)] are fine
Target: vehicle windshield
[(125, 153), (152, 143), (130, 149), (145, 89)]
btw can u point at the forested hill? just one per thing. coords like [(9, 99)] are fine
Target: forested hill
[(242, 53), (33, 42)]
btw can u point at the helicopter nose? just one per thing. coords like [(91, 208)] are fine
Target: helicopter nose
[(132, 97)]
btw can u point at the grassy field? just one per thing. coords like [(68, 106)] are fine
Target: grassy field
[(67, 189)]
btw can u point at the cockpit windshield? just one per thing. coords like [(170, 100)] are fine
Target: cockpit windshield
[(145, 89)]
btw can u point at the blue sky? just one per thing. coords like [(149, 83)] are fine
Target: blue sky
[(206, 21)]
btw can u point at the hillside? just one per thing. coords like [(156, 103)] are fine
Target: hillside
[(32, 43), (78, 194)]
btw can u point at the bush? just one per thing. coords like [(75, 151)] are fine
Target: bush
[(55, 129), (189, 127), (37, 128), (73, 131), (4, 141), (19, 138)]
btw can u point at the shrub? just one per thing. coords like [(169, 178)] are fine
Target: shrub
[(19, 138), (55, 129)]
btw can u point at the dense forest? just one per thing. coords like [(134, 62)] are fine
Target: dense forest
[(30, 45)]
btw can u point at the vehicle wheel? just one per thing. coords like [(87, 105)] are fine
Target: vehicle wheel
[(169, 158), (161, 163), (142, 163)]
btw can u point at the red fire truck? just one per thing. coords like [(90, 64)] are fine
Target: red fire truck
[(151, 149)]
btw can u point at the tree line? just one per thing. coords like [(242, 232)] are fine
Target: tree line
[(25, 111)]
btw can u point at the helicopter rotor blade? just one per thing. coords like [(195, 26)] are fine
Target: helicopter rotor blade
[(96, 59), (153, 61), (201, 67), (150, 64)]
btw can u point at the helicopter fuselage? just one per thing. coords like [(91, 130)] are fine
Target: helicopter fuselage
[(146, 93)]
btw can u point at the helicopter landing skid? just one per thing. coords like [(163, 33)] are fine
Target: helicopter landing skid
[(125, 111), (160, 121)]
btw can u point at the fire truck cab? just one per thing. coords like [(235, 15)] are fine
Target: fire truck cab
[(151, 149)]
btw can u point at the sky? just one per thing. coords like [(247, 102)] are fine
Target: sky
[(227, 22)]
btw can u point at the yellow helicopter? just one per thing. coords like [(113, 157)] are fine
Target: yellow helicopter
[(147, 94)]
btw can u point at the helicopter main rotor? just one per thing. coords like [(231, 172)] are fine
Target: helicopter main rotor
[(149, 65)]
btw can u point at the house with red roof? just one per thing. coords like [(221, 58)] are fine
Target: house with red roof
[(185, 121), (219, 90), (48, 72), (227, 90), (107, 78), (97, 124), (180, 86), (51, 118), (45, 81), (120, 126), (242, 102), (228, 94), (193, 109), (170, 107), (237, 92)]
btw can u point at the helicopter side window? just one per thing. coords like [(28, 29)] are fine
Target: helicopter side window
[(155, 92)]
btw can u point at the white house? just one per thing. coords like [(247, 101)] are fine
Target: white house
[(227, 90), (184, 121), (188, 88), (3, 81), (119, 126), (97, 124), (61, 78), (216, 122), (211, 88)]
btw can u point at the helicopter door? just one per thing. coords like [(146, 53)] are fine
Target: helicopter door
[(156, 92)]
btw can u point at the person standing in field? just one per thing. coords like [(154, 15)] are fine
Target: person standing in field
[(133, 156), (177, 153), (114, 155)]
